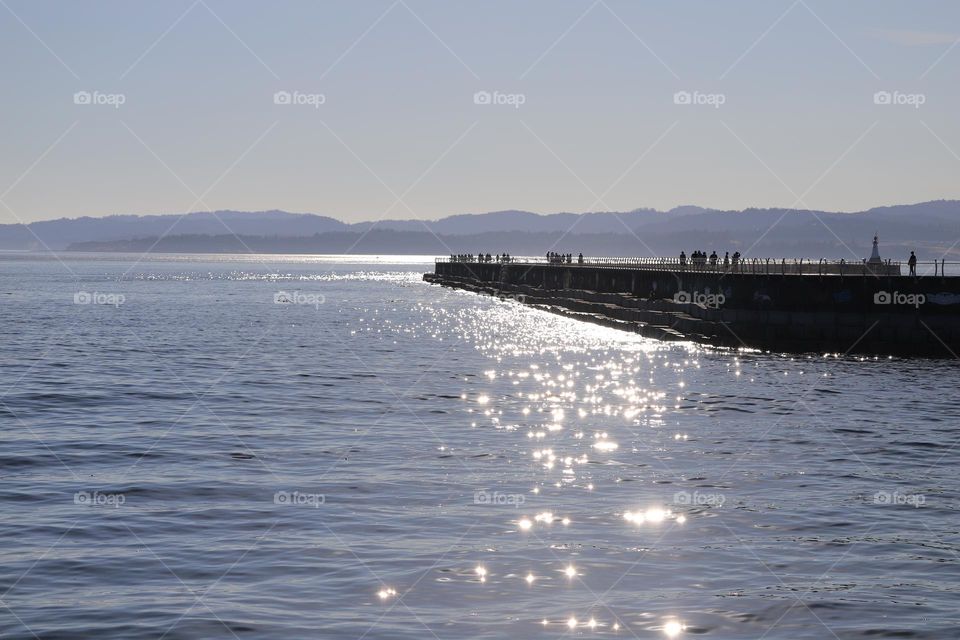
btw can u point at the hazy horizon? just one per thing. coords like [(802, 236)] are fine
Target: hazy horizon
[(361, 220), (420, 110)]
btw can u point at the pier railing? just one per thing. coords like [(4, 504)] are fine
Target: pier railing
[(771, 266)]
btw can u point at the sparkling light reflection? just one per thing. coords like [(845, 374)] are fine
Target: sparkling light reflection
[(554, 393), (673, 628)]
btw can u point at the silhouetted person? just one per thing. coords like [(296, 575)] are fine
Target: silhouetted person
[(580, 258), (913, 264), (683, 259), (726, 259)]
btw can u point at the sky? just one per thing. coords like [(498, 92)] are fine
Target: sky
[(365, 110)]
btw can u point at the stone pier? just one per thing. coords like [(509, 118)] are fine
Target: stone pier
[(858, 309)]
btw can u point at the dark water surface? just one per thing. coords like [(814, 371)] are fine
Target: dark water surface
[(381, 458)]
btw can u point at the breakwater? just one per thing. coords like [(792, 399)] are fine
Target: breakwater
[(813, 307)]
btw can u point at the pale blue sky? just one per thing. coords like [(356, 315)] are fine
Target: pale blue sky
[(399, 133)]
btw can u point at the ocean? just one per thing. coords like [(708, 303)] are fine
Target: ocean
[(327, 447)]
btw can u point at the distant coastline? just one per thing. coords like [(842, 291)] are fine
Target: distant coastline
[(921, 227)]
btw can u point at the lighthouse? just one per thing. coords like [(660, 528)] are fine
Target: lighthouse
[(875, 254)]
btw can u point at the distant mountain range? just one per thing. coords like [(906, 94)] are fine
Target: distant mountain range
[(931, 228)]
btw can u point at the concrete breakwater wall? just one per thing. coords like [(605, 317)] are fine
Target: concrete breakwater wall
[(889, 314)]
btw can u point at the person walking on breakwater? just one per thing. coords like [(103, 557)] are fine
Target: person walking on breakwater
[(913, 264), (580, 258), (683, 259)]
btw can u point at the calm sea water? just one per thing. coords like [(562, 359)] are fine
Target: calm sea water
[(183, 456)]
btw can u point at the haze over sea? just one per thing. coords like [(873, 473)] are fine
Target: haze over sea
[(305, 447)]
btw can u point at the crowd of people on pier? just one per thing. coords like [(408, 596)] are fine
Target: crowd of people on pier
[(552, 257), (562, 258), (697, 259), (701, 259), (480, 257)]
